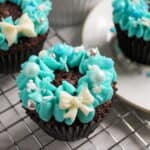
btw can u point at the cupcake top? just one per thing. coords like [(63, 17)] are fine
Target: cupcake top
[(29, 18), (66, 83), (133, 16)]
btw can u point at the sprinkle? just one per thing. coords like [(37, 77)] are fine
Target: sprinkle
[(79, 48), (41, 7), (97, 75), (48, 98), (93, 51), (41, 20), (52, 55), (97, 89), (42, 53), (144, 21), (31, 86), (31, 69), (31, 105), (136, 1)]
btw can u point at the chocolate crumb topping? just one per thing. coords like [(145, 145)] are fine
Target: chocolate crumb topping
[(72, 77), (8, 9)]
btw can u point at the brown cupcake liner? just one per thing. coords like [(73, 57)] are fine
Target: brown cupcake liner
[(77, 130), (11, 60), (63, 132), (136, 49)]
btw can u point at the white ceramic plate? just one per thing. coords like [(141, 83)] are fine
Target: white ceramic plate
[(96, 30), (133, 83), (70, 12)]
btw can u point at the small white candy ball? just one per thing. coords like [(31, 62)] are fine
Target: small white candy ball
[(43, 53), (31, 105), (31, 69)]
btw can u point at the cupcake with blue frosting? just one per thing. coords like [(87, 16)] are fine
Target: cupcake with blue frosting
[(67, 90), (23, 29), (132, 21)]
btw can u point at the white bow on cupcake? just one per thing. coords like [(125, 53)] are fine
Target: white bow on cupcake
[(74, 103), (25, 27)]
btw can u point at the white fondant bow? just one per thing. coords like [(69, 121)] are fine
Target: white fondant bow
[(25, 27), (73, 103)]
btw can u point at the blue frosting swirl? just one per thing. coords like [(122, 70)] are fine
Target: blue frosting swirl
[(37, 10), (133, 16), (37, 91)]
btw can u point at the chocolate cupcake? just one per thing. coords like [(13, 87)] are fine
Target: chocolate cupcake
[(23, 30), (132, 21), (67, 90)]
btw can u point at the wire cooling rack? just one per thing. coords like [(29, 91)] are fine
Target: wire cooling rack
[(122, 129)]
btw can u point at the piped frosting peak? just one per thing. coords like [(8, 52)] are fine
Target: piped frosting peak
[(66, 102)]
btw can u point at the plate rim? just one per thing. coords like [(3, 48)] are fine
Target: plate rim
[(122, 98), (132, 104)]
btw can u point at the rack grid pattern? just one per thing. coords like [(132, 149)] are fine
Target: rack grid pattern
[(122, 129)]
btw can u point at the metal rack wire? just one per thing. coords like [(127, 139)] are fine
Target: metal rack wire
[(123, 129)]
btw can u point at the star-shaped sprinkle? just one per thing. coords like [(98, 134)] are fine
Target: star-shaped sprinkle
[(31, 86)]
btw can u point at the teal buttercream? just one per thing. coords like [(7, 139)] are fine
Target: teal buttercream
[(37, 91), (37, 10), (3, 43), (86, 119), (68, 87), (133, 16), (45, 110)]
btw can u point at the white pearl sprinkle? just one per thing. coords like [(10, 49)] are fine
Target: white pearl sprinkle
[(41, 7), (45, 98), (92, 51), (144, 21), (79, 48), (136, 1), (98, 74), (52, 55), (96, 50), (42, 20), (97, 89), (31, 69), (31, 105), (31, 86), (42, 53)]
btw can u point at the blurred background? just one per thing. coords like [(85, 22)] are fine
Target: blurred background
[(126, 127)]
